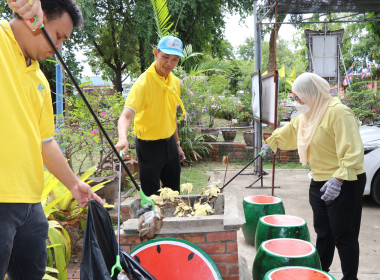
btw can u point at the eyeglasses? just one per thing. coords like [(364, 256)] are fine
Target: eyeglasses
[(295, 98)]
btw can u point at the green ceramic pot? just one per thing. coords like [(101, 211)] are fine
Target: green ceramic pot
[(256, 207), (281, 226), (284, 252), (297, 273)]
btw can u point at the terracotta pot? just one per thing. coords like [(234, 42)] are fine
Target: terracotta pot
[(266, 135), (244, 123), (248, 137), (229, 135)]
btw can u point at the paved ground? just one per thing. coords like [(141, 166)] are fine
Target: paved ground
[(293, 190)]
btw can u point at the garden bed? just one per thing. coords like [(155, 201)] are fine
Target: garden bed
[(216, 234)]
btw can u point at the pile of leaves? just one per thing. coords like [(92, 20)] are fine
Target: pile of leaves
[(183, 206)]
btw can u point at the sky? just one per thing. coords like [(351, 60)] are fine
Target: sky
[(237, 32)]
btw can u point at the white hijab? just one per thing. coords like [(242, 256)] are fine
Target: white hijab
[(314, 91)]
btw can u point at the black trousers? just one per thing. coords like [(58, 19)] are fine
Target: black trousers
[(158, 161), (337, 224)]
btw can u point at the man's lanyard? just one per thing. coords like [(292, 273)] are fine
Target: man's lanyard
[(168, 91)]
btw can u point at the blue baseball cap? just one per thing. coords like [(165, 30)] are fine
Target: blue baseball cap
[(170, 45)]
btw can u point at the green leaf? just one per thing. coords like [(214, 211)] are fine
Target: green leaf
[(161, 17), (88, 173), (212, 65), (48, 277), (61, 252), (51, 270)]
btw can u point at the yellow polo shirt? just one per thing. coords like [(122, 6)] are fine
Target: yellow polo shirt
[(26, 120), (336, 149), (154, 100)]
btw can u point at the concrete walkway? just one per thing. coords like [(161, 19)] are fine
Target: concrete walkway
[(293, 190)]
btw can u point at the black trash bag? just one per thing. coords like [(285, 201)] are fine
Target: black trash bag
[(100, 247)]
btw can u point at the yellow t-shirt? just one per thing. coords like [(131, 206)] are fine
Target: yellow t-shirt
[(26, 120), (336, 149), (154, 100)]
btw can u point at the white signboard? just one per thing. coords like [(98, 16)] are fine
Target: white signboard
[(264, 98), (269, 100), (325, 56), (256, 91)]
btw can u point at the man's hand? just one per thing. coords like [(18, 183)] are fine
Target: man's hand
[(266, 151), (331, 189), (83, 193), (122, 145), (29, 10), (182, 156)]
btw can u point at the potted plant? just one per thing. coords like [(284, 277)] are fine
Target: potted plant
[(230, 113), (244, 115), (210, 134)]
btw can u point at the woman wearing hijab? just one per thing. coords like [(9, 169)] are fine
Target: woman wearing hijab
[(327, 137)]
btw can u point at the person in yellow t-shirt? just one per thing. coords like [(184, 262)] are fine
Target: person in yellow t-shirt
[(327, 137), (152, 103), (27, 131)]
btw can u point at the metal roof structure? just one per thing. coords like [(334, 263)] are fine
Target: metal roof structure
[(327, 6), (348, 9)]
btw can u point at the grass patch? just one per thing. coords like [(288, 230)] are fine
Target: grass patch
[(289, 165), (197, 175)]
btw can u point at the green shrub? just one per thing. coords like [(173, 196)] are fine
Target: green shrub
[(364, 101)]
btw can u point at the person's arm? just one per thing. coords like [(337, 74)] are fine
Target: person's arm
[(56, 163), (284, 138), (123, 126), (349, 146), (180, 151), (28, 10)]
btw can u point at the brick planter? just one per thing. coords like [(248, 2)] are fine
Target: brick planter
[(215, 234), (242, 152)]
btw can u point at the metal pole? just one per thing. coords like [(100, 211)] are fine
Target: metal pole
[(59, 119), (344, 66), (257, 56), (276, 92)]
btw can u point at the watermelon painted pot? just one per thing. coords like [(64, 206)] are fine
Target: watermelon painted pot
[(256, 207), (281, 226), (297, 273), (175, 259), (284, 252)]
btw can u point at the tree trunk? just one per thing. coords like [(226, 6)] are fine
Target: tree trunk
[(141, 55), (117, 81), (271, 66), (271, 52)]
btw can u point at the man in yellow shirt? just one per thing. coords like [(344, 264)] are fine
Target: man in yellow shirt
[(27, 131), (152, 103), (327, 137)]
